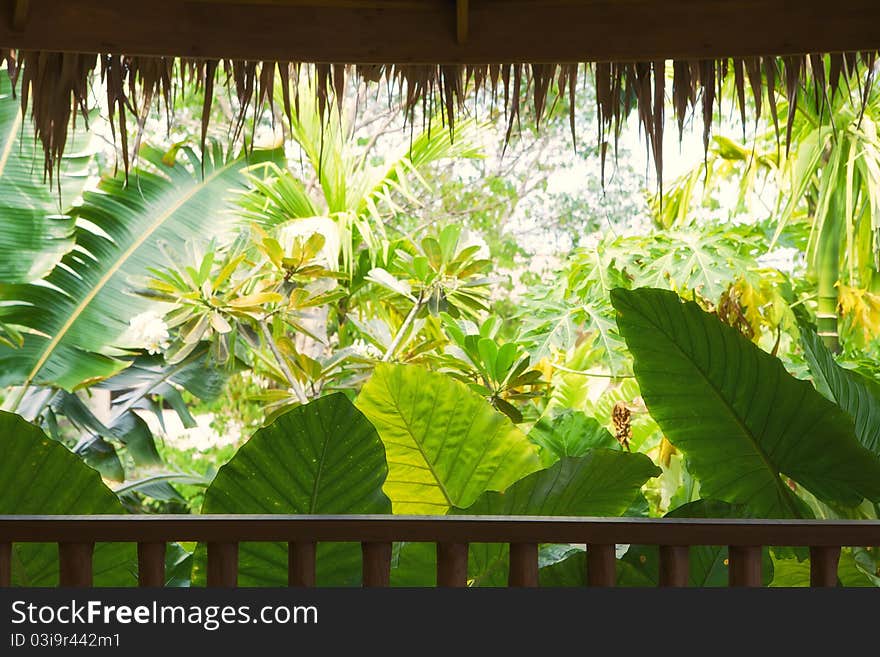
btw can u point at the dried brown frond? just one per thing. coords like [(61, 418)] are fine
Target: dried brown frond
[(54, 86)]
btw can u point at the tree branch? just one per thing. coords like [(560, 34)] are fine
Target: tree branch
[(282, 364)]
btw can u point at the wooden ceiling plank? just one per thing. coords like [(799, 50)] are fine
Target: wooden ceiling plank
[(397, 31)]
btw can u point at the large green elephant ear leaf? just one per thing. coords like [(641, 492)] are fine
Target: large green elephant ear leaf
[(39, 476), (709, 564), (33, 233), (740, 419), (856, 568), (74, 319), (854, 393), (446, 446), (602, 483), (320, 458)]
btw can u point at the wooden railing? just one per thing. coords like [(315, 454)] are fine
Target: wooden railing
[(77, 535)]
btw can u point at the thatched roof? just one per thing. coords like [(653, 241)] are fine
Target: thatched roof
[(434, 51)]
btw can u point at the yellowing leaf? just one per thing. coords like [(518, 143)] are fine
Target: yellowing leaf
[(258, 299)]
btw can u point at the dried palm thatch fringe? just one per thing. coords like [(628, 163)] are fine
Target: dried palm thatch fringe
[(54, 88)]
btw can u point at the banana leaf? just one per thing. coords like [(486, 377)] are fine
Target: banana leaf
[(74, 321)]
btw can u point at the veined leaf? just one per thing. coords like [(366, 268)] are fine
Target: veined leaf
[(446, 446), (39, 476), (570, 433), (854, 393), (709, 564), (322, 457), (852, 571), (78, 316), (34, 235), (740, 419), (602, 483)]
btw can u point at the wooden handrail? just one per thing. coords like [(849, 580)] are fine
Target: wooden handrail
[(76, 537), (439, 529)]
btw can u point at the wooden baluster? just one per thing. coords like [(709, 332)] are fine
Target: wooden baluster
[(452, 562), (745, 565), (674, 565), (377, 564), (601, 564), (523, 564), (5, 564), (823, 566), (301, 563), (151, 564), (75, 564), (223, 565)]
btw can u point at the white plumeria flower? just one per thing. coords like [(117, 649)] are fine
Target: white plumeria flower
[(366, 349), (148, 331)]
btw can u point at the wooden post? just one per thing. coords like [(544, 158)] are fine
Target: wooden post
[(823, 566), (452, 562), (523, 565), (745, 565), (151, 564), (223, 565), (5, 564), (301, 563), (75, 564), (601, 564), (377, 564), (674, 565)]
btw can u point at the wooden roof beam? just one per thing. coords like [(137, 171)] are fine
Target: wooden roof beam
[(20, 14), (430, 31), (461, 21)]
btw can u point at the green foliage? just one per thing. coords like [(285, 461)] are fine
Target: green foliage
[(341, 273), (499, 372), (821, 194), (444, 274), (323, 457), (856, 568), (35, 230), (75, 322), (856, 394), (601, 483), (709, 565), (741, 420), (40, 476), (445, 445), (570, 433)]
